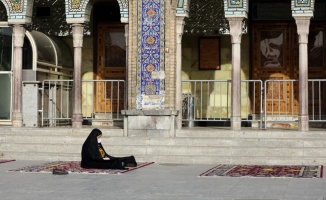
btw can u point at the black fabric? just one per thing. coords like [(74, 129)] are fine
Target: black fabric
[(91, 157)]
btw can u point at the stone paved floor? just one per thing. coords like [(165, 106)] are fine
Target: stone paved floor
[(157, 181)]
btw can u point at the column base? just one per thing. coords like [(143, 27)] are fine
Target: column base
[(303, 123), (77, 121), (149, 123), (17, 119), (236, 123)]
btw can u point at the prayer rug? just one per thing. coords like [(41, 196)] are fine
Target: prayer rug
[(294, 171), (5, 161), (74, 167)]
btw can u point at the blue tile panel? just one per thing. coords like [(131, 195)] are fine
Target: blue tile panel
[(151, 46), (235, 3), (302, 6), (235, 7)]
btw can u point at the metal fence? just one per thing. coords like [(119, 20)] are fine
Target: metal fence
[(317, 100), (209, 101), (263, 104), (102, 101), (271, 103)]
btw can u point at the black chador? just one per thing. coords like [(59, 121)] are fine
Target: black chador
[(94, 155)]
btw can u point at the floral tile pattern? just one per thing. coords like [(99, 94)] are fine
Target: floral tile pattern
[(15, 5), (151, 45)]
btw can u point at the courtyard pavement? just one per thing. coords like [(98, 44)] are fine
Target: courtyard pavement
[(156, 181)]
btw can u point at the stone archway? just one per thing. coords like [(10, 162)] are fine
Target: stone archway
[(85, 7), (19, 12)]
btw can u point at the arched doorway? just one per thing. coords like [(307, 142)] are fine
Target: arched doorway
[(110, 53)]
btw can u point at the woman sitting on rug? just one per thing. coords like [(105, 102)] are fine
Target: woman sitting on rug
[(94, 155)]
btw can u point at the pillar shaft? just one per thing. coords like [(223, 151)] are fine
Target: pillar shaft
[(236, 33), (178, 98), (77, 118), (303, 31), (126, 99), (18, 42)]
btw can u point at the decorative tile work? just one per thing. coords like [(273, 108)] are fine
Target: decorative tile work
[(79, 9), (151, 55), (304, 7), (75, 5), (206, 17), (302, 2), (183, 8), (236, 7), (53, 25), (235, 3), (15, 5), (123, 3), (124, 10)]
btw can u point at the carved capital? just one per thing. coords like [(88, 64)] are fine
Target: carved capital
[(235, 29), (303, 23), (78, 35), (180, 28), (18, 35)]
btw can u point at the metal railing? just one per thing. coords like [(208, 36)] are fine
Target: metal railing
[(102, 100), (209, 101), (204, 101), (280, 102), (317, 100), (263, 104)]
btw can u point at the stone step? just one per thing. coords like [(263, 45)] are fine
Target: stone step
[(209, 146), (161, 141), (64, 131), (178, 146), (250, 133)]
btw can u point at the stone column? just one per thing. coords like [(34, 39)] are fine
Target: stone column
[(178, 99), (18, 42), (77, 118), (236, 33), (125, 118), (127, 64), (303, 23)]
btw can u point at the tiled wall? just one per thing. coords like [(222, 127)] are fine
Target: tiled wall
[(151, 57)]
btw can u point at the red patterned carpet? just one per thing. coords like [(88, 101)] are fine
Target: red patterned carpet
[(5, 161), (294, 171), (74, 167)]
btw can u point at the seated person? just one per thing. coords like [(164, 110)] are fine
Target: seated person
[(94, 155)]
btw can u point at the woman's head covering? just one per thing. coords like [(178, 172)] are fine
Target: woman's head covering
[(90, 147)]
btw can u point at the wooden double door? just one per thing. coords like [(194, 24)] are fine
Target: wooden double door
[(275, 59), (111, 68)]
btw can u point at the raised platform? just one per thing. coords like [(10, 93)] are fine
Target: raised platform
[(209, 145)]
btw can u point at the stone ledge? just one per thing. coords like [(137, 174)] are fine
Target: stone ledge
[(149, 112)]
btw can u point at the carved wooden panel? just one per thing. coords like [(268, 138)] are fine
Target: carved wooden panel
[(111, 65), (273, 50), (281, 60)]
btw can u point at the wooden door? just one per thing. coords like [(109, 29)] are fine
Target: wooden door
[(275, 51), (316, 69), (111, 65), (275, 56)]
